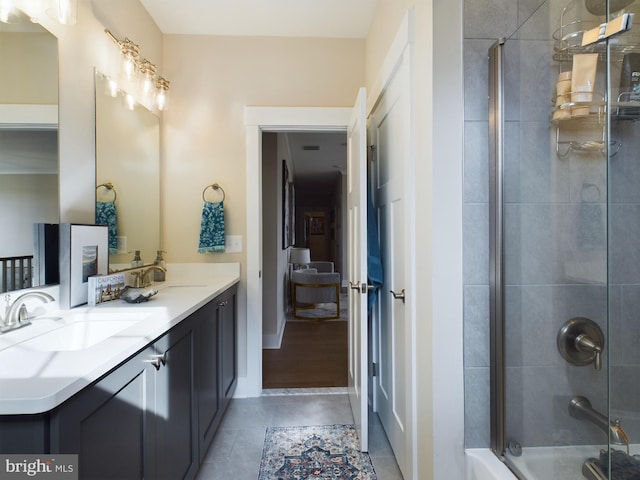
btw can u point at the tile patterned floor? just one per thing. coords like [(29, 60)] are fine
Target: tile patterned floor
[(237, 448)]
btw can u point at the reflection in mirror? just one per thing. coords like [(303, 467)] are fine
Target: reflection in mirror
[(127, 175), (28, 145)]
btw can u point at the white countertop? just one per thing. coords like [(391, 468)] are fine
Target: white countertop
[(36, 380)]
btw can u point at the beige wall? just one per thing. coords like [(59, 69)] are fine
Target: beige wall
[(213, 79), (36, 81)]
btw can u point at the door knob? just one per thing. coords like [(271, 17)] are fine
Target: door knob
[(398, 296), (354, 286)]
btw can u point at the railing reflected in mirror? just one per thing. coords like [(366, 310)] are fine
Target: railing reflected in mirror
[(28, 144), (127, 174)]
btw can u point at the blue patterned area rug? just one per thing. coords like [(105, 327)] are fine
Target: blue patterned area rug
[(325, 452)]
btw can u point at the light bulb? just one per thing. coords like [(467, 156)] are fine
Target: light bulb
[(162, 93), (64, 11), (129, 101), (112, 88), (8, 12)]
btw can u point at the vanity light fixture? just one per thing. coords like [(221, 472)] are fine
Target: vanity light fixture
[(111, 88), (148, 74), (153, 89), (64, 11), (162, 93), (129, 102), (8, 12)]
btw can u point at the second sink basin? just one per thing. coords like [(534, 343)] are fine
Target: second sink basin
[(77, 336)]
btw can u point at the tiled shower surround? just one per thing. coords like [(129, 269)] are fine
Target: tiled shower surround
[(555, 242)]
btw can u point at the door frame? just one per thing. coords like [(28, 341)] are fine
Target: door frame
[(258, 120)]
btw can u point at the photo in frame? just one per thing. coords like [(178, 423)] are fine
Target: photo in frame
[(84, 252), (288, 208), (316, 225)]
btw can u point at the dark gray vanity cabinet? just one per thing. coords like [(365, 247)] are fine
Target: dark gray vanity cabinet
[(174, 419), (215, 363), (153, 416), (227, 304), (138, 421), (207, 365), (108, 424)]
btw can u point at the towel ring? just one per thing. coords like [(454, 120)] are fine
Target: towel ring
[(109, 186), (214, 186)]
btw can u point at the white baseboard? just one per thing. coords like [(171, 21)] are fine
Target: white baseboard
[(274, 341)]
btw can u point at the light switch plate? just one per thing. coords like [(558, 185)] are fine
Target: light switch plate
[(233, 244)]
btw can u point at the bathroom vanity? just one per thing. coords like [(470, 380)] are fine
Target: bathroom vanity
[(144, 403)]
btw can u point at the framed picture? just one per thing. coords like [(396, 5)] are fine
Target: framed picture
[(292, 214), (316, 225), (84, 252), (288, 208)]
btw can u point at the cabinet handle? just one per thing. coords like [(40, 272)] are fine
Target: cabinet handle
[(157, 360), (223, 303)]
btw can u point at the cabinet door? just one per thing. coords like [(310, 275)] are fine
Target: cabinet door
[(106, 424), (174, 415), (227, 307), (207, 374)]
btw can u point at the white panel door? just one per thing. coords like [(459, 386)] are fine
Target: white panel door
[(390, 134), (357, 272)]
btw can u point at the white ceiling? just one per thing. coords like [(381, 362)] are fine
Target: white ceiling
[(281, 18)]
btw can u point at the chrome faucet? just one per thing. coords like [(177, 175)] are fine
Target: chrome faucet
[(16, 314), (580, 407), (142, 276)]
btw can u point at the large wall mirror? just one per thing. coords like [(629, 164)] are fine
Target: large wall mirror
[(127, 174), (28, 146)]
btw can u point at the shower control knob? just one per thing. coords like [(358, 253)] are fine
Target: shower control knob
[(580, 341)]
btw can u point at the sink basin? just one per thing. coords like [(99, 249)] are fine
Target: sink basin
[(73, 330), (77, 336)]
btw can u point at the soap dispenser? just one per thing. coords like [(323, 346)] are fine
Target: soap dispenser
[(159, 275), (137, 261)]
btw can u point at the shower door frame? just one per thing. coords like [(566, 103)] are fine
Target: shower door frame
[(496, 245)]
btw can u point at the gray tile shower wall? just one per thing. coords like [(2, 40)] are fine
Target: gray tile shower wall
[(556, 241), (535, 184)]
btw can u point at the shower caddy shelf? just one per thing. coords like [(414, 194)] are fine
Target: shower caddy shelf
[(596, 118), (567, 43)]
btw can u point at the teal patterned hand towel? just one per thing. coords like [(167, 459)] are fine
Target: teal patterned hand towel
[(212, 228), (106, 215)]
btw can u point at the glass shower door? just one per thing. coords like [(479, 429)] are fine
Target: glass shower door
[(623, 162), (567, 220)]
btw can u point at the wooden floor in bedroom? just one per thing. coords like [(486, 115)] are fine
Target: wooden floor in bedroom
[(313, 354)]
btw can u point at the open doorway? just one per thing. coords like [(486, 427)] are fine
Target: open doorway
[(303, 206)]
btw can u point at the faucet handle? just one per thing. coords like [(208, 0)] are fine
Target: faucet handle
[(585, 343), (580, 341), (136, 277)]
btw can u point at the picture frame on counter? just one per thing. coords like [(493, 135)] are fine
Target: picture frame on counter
[(84, 252)]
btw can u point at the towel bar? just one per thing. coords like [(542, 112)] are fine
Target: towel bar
[(214, 186), (109, 186)]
